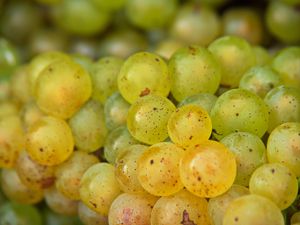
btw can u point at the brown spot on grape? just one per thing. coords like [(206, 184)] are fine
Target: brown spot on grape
[(145, 92), (186, 219), (151, 161), (199, 178), (236, 219), (272, 170), (41, 150), (191, 137), (237, 114), (47, 182), (157, 59), (94, 204)]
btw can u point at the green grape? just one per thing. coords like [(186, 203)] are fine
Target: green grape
[(83, 60), (126, 169), (180, 208), (193, 70), (252, 209), (286, 26), (276, 182), (30, 114), (99, 187), (80, 17), (260, 80), (148, 118), (131, 209), (287, 64), (84, 46), (295, 219), (8, 108), (9, 57), (12, 141), (283, 146), (141, 74), (158, 169), (204, 100), (52, 218), (208, 169), (69, 173), (49, 141), (88, 126), (284, 106), (17, 214), (32, 174), (166, 48), (243, 22), (115, 111), (196, 24), (90, 217), (104, 75), (116, 140), (149, 14), (112, 5), (57, 202), (217, 206), (16, 191), (62, 88), (230, 51), (262, 55), (5, 86), (189, 125), (249, 151), (239, 110)]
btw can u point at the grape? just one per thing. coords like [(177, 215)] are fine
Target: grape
[(17, 214), (11, 141), (49, 141), (148, 118), (217, 206), (104, 75), (287, 64), (158, 169), (167, 47), (189, 125), (59, 203), (86, 47), (193, 70), (230, 51), (295, 218), (204, 100), (90, 217), (149, 14), (239, 110), (20, 86), (32, 174), (262, 55), (69, 173), (109, 5), (99, 187), (180, 208), (88, 126), (83, 60), (52, 218), (252, 209), (9, 57), (8, 108), (250, 153), (276, 182), (116, 140), (62, 87), (208, 169), (115, 111), (260, 80), (141, 74), (196, 24), (16, 191), (284, 106), (5, 87), (126, 169), (131, 209), (80, 17), (30, 114), (283, 146)]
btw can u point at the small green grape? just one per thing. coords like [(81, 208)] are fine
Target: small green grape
[(295, 219), (112, 5), (90, 217), (9, 57), (263, 57)]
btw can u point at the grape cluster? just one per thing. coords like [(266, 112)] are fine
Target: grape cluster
[(184, 113)]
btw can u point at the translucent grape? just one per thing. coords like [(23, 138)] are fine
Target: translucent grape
[(180, 208), (141, 74), (217, 206), (158, 169), (295, 218), (283, 146), (250, 153), (230, 51), (30, 114), (252, 209), (131, 209), (99, 187), (284, 106), (239, 110), (208, 169), (166, 48), (90, 217), (61, 88), (193, 70), (189, 125), (262, 55), (276, 182), (49, 141), (148, 118), (104, 75), (126, 169), (88, 126), (69, 173)]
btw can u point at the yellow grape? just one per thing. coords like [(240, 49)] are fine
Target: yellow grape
[(8, 108), (30, 114)]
